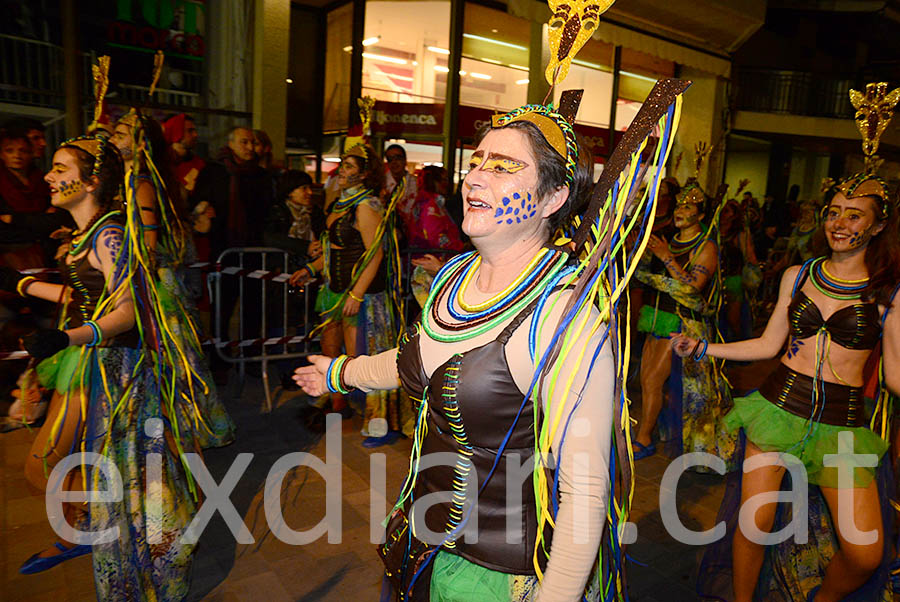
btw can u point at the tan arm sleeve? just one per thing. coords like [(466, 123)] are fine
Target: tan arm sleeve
[(373, 372)]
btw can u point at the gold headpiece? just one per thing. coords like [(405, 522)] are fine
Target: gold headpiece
[(691, 194), (874, 111), (131, 117), (571, 25), (555, 129), (701, 151), (92, 145), (357, 145), (101, 85)]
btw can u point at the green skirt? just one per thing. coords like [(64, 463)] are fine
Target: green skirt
[(658, 322), (327, 298), (58, 371), (455, 579), (773, 429)]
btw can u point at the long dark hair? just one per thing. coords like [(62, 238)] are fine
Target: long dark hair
[(372, 169), (883, 255)]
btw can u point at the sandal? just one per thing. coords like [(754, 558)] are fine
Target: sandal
[(642, 451)]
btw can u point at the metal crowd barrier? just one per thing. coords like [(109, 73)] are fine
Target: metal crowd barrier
[(265, 270), (256, 263)]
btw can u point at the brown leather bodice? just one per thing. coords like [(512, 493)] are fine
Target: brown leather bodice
[(478, 383)]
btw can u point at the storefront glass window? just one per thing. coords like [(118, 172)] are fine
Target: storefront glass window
[(337, 69), (405, 44), (494, 69)]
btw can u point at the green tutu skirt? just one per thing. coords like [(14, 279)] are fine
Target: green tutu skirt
[(658, 322), (327, 298), (455, 579), (58, 372), (773, 429)]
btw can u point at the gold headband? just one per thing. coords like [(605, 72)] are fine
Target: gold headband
[(555, 129), (92, 145), (691, 194)]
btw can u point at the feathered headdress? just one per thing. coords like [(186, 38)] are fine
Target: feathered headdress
[(357, 141)]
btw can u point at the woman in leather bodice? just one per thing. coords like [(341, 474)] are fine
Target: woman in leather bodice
[(354, 298), (468, 365), (816, 392)]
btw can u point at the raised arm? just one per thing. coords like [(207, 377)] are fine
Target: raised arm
[(763, 347)]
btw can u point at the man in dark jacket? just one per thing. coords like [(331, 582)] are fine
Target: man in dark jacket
[(237, 194)]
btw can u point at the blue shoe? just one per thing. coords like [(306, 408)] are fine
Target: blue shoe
[(389, 439), (643, 451), (37, 564), (812, 593)]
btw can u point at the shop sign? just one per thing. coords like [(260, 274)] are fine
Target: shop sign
[(151, 25), (400, 119)]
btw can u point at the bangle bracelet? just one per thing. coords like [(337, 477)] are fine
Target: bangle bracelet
[(334, 378), (309, 268), (23, 284), (697, 358), (354, 297), (696, 347), (98, 334)]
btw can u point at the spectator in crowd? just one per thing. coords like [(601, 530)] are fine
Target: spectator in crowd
[(181, 135), (34, 130), (262, 146), (234, 191), (22, 191), (428, 226), (22, 185), (295, 221), (395, 156)]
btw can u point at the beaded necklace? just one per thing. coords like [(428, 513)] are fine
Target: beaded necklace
[(78, 245), (341, 205), (77, 248), (680, 247), (541, 270), (835, 288)]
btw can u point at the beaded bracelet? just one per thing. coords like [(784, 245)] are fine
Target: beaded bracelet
[(334, 378), (23, 284), (98, 334), (696, 357), (354, 297)]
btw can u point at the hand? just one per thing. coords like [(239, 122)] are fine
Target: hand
[(314, 250), (351, 306), (300, 277), (9, 279), (45, 342), (312, 378), (429, 263), (683, 345), (659, 246)]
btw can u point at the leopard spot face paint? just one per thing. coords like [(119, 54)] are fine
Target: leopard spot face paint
[(517, 208), (68, 189)]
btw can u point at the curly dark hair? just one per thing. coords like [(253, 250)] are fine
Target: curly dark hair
[(372, 169), (551, 167)]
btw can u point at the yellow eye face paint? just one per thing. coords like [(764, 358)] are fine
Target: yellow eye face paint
[(503, 165), (476, 160)]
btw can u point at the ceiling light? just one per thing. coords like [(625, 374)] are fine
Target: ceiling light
[(493, 41), (404, 78), (441, 69), (348, 48), (438, 50), (289, 80), (461, 72), (385, 59), (519, 67), (370, 41), (493, 61), (521, 82), (638, 76), (331, 159), (481, 76)]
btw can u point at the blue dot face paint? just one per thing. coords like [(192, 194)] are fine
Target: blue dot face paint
[(850, 223), (69, 189), (526, 208)]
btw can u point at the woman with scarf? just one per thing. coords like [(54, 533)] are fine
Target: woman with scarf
[(354, 300), (812, 401), (109, 398)]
